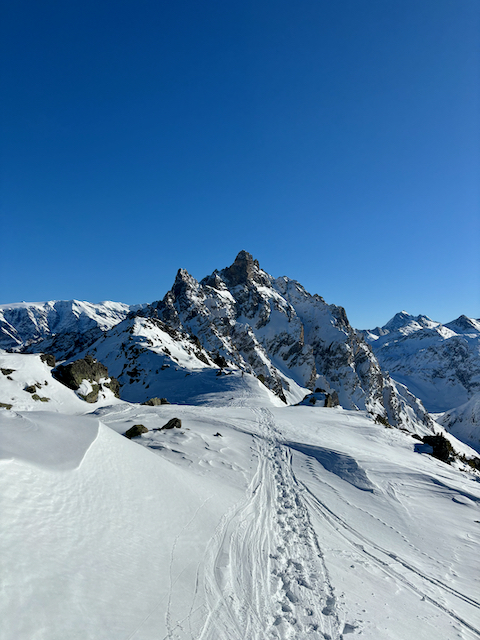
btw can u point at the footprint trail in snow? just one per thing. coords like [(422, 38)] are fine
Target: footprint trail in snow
[(265, 577)]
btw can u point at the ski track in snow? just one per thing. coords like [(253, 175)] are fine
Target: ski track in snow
[(382, 559), (265, 576)]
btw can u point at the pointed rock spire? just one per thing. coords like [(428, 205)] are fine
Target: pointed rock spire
[(243, 270)]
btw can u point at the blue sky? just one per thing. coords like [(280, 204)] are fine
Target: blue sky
[(338, 142)]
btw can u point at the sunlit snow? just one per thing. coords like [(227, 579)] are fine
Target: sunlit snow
[(251, 521)]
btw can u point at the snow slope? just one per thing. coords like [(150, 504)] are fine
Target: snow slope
[(464, 422), (251, 521)]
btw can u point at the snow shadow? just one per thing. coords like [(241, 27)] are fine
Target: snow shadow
[(342, 465)]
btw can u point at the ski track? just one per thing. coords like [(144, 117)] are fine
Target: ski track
[(265, 577), (265, 574), (382, 558), (394, 556)]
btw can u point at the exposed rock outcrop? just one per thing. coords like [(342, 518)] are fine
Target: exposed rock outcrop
[(95, 374)]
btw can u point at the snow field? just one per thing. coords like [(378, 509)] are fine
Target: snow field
[(259, 522)]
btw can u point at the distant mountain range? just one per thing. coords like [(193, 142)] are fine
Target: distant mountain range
[(440, 364), (241, 318)]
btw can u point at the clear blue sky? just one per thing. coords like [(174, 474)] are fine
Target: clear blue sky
[(338, 142)]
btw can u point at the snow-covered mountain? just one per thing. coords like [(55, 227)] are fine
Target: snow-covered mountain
[(230, 515), (464, 422), (61, 327), (440, 364), (242, 319)]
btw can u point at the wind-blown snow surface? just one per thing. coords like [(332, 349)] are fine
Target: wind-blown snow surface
[(251, 521)]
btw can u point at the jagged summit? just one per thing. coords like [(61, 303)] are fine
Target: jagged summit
[(243, 270), (242, 318), (288, 338)]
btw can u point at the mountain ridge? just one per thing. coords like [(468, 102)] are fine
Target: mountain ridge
[(243, 318)]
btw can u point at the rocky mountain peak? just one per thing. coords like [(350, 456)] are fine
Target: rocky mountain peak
[(244, 270), (463, 324), (183, 280)]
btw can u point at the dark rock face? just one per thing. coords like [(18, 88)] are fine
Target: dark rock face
[(73, 374), (243, 270), (442, 449), (135, 431), (48, 358), (174, 423)]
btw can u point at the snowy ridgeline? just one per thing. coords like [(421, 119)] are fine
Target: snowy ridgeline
[(239, 318), (243, 319), (250, 521), (439, 363)]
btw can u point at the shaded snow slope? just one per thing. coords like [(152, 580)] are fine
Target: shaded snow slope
[(464, 422), (248, 522)]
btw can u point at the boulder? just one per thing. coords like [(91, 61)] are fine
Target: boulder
[(321, 399), (174, 423), (135, 431), (71, 375), (31, 388), (442, 449), (155, 402)]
